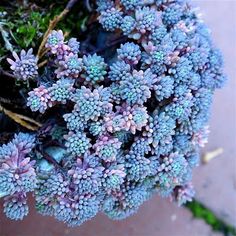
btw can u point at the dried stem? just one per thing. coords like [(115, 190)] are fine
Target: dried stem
[(41, 64), (22, 120)]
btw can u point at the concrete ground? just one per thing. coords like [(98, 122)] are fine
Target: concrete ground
[(215, 183), (156, 217)]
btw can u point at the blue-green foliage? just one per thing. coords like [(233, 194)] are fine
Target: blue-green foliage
[(77, 143), (92, 104), (135, 88), (111, 19), (158, 34), (95, 69), (128, 25), (119, 70), (172, 14), (130, 53), (130, 4), (96, 128), (164, 88), (61, 91), (74, 121), (146, 19), (140, 147), (77, 210), (137, 167), (131, 197), (15, 207), (25, 66), (17, 174)]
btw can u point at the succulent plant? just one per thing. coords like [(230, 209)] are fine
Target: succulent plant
[(135, 120)]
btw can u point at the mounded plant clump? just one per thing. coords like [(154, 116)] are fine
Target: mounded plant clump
[(126, 124)]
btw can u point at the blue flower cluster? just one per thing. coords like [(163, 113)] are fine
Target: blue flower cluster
[(134, 121)]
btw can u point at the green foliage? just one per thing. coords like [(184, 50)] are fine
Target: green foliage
[(27, 27), (200, 211)]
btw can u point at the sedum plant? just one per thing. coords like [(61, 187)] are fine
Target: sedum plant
[(131, 125)]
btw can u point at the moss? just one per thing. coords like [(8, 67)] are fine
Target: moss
[(27, 24), (200, 211), (28, 29)]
